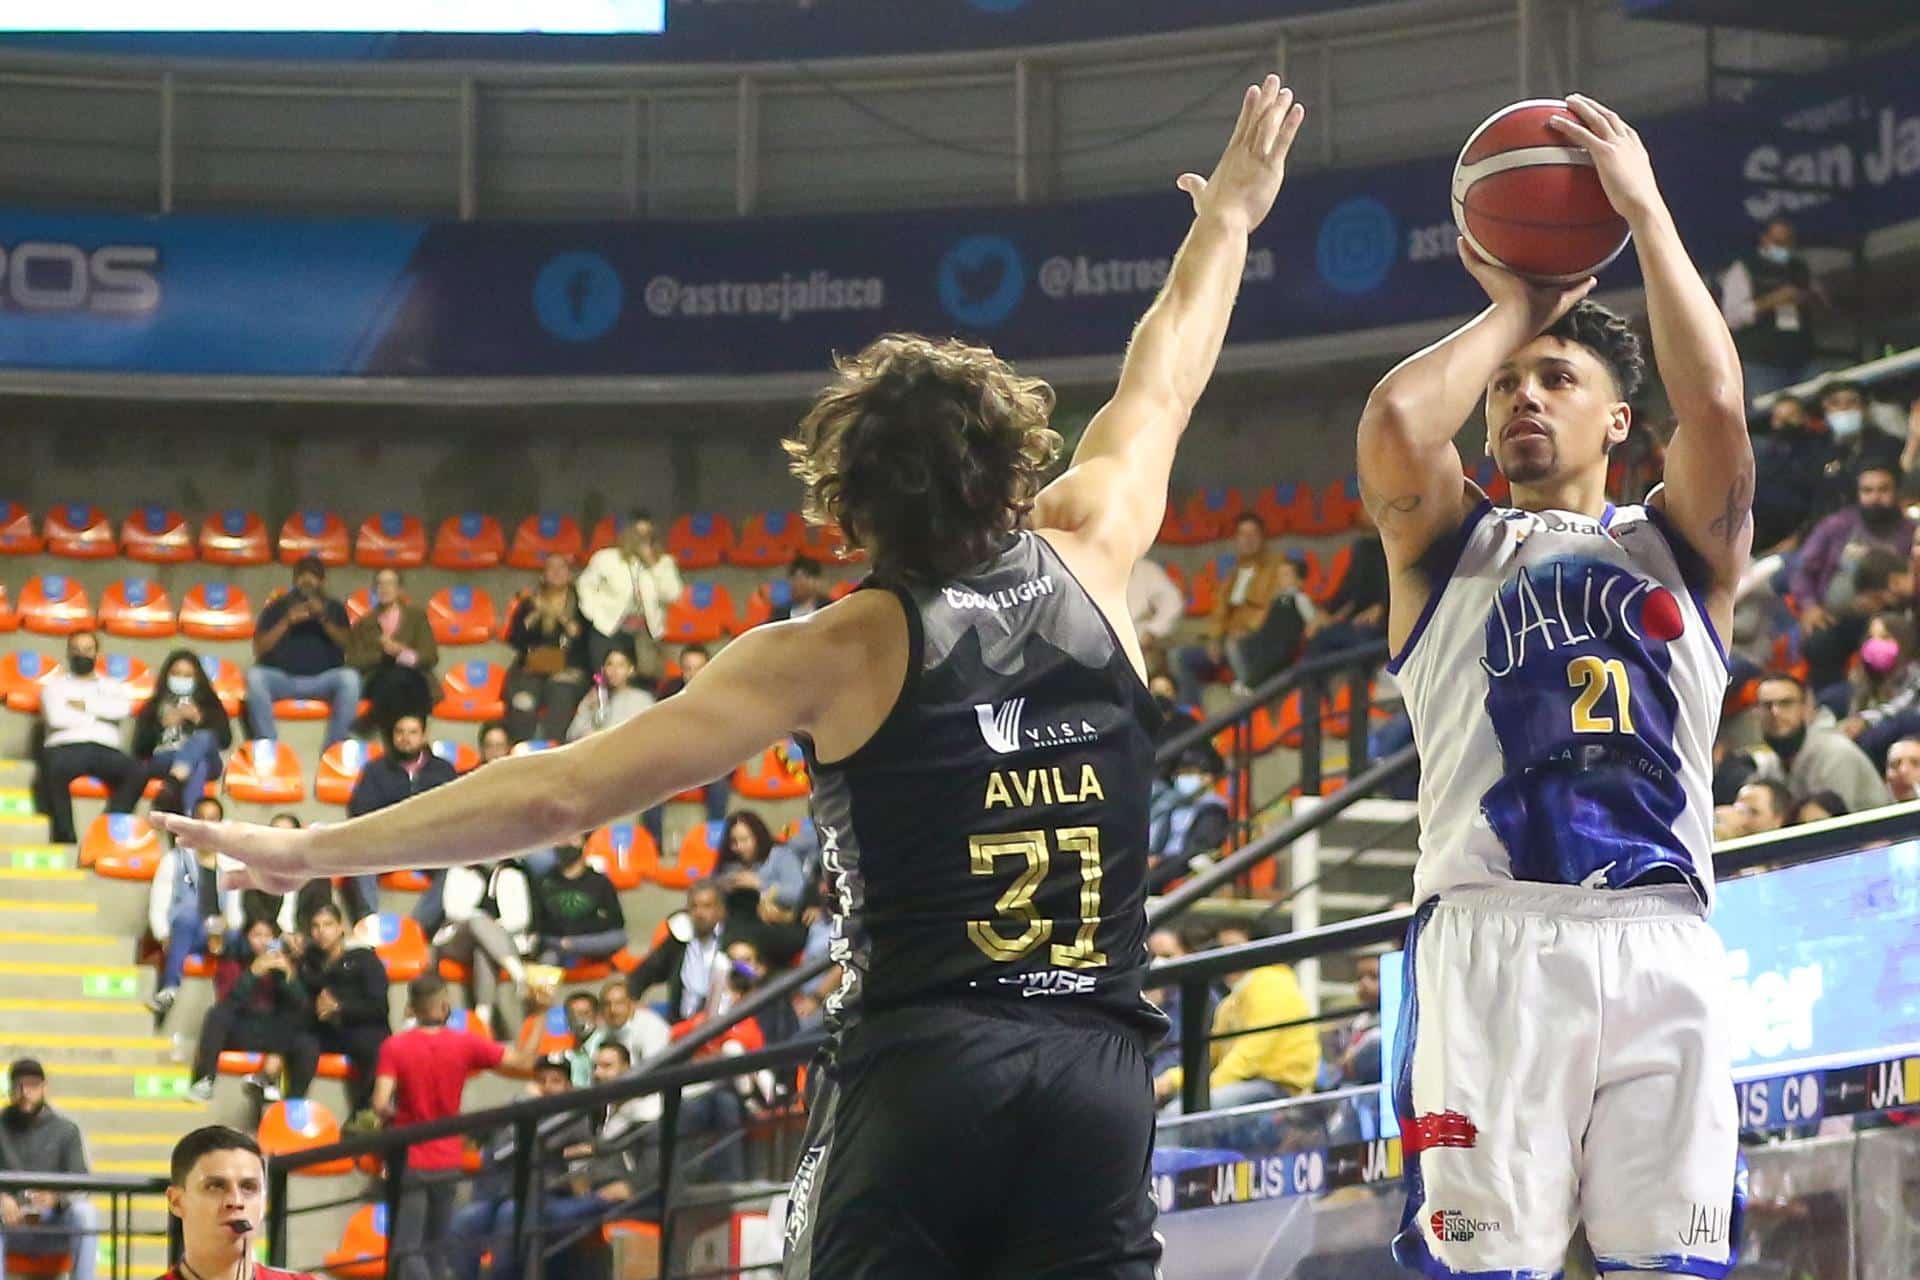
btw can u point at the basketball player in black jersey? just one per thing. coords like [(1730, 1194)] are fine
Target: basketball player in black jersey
[(980, 739)]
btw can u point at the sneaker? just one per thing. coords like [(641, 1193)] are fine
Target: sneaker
[(266, 1086), (201, 1090), (160, 1004)]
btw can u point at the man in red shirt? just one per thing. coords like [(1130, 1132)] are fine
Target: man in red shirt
[(218, 1190), (422, 1074)]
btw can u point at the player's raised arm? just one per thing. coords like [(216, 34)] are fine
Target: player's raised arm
[(1709, 474), (1115, 493), (839, 666)]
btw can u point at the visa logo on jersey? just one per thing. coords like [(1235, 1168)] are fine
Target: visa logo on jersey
[(1002, 728)]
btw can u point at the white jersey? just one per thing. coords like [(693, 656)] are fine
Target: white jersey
[(1564, 685)]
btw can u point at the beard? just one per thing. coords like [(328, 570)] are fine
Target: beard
[(1526, 462)]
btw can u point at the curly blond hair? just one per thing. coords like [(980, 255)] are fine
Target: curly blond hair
[(925, 452)]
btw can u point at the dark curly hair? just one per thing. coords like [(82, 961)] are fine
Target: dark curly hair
[(1610, 338), (925, 452)]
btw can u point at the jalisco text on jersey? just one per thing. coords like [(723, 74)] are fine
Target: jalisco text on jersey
[(1573, 608)]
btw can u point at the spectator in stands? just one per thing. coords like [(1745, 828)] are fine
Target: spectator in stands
[(259, 1006), (613, 699), (719, 793), (1188, 818), (179, 736), (480, 1226), (1903, 770), (746, 845), (422, 1076), (1809, 758), (405, 770), (1768, 297), (348, 985), (1864, 434), (1241, 609), (495, 741), (789, 886), (34, 1138), (1818, 807), (686, 958), (548, 634), (1156, 606), (1278, 641), (693, 659), (1791, 460), (488, 913), (1262, 1065), (640, 1031), (807, 587), (1825, 581), (187, 912), (1356, 612), (299, 651), (217, 1177), (1763, 805), (1354, 1047), (625, 592), (1885, 690), (83, 711), (293, 916), (1193, 934), (576, 912), (393, 649)]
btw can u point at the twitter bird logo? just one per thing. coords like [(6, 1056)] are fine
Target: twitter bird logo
[(982, 280)]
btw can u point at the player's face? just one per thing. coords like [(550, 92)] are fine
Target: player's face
[(1552, 412), (222, 1187)]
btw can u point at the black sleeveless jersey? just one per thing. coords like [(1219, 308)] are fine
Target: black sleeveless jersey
[(990, 839)]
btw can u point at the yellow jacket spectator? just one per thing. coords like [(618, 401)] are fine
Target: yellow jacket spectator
[(1262, 1065)]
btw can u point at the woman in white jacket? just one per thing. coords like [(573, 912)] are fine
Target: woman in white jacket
[(187, 912), (625, 592), (489, 912)]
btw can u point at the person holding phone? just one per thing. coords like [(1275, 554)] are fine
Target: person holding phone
[(259, 1004), (300, 651)]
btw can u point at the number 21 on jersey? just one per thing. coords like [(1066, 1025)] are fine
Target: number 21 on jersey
[(1595, 678), (1016, 906)]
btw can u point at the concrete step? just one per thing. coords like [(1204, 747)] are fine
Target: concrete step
[(77, 1079), (49, 885), (25, 1017), (22, 946), (24, 1035), (75, 980)]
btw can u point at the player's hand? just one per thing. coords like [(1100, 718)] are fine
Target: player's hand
[(1619, 157), (1542, 304), (274, 860), (1247, 179)]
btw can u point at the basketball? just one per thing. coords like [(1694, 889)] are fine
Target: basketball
[(1527, 199)]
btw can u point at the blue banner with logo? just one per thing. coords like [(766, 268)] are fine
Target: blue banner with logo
[(1345, 250)]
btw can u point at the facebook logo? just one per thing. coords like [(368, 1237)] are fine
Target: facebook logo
[(578, 296)]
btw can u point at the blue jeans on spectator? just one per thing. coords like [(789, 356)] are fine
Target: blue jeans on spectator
[(1193, 668), (719, 798), (201, 754), (71, 1228), (488, 1225), (338, 688), (187, 933)]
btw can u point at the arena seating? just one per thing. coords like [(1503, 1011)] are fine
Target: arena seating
[(778, 773), (263, 771), (462, 615), (624, 853), (22, 672), (700, 540), (216, 611), (472, 691), (55, 604), (18, 537), (320, 534), (80, 531), (340, 766), (155, 534), (390, 540), (9, 616), (549, 533), (702, 614), (229, 682), (399, 943), (469, 541), (295, 1124), (137, 609), (121, 846), (234, 537), (767, 540)]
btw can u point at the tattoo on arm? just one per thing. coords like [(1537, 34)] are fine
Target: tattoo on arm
[(1733, 517), (1385, 510)]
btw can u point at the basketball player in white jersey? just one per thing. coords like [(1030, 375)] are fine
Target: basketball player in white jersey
[(1563, 1054)]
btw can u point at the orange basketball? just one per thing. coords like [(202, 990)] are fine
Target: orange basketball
[(1526, 198)]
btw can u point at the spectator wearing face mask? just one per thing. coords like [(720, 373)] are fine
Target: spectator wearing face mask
[(83, 711), (1769, 299), (576, 912), (1825, 580), (179, 736), (1186, 818), (1791, 458), (1885, 701), (1864, 434), (404, 771)]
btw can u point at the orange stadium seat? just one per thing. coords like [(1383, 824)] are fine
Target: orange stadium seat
[(1275, 515), (556, 1035), (300, 709), (826, 543), (313, 533), (9, 616), (80, 531), (406, 881), (1178, 576), (768, 539), (234, 536), (340, 766), (1178, 528), (472, 691), (1297, 505), (362, 1254), (606, 532), (136, 675), (778, 773), (264, 771), (54, 604), (463, 756), (398, 941), (543, 535), (761, 604), (1339, 506), (121, 846), (21, 674), (702, 614), (1211, 512), (624, 853), (298, 1124), (700, 540), (156, 535), (229, 682), (468, 541), (462, 615), (17, 534), (88, 787), (36, 1266), (1203, 590), (216, 611), (391, 540), (698, 855), (1323, 581), (137, 608), (358, 604)]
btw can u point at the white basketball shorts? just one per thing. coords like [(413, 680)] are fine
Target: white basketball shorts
[(1563, 1059)]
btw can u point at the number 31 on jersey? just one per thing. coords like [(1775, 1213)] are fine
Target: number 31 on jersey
[(1016, 906)]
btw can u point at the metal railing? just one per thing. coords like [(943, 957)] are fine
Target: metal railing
[(119, 1189)]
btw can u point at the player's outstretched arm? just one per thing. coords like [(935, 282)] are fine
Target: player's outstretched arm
[(830, 675), (1115, 493), (1709, 480)]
